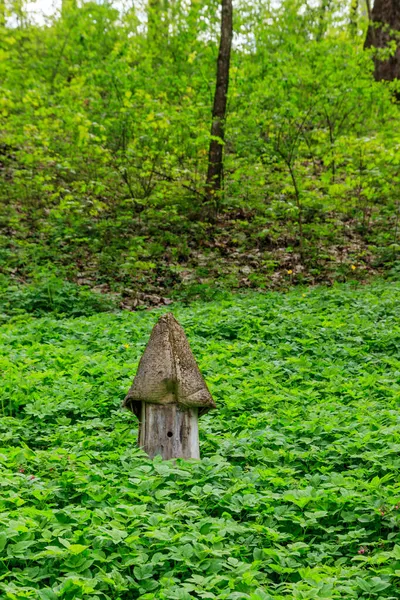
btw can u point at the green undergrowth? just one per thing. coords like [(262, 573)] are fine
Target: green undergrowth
[(48, 293), (297, 494)]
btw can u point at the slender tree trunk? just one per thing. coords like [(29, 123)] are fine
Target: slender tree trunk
[(2, 13), (153, 11), (384, 28), (354, 18), (157, 23), (322, 24), (215, 154), (369, 11)]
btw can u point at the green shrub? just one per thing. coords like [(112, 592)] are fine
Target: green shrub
[(49, 294)]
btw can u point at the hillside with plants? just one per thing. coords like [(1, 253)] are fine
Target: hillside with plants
[(105, 121), (239, 161)]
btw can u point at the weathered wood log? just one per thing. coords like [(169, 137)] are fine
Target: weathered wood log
[(168, 394), (170, 431)]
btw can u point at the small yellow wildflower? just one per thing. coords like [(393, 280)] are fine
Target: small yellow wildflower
[(126, 345), (289, 272), (353, 268), (304, 295)]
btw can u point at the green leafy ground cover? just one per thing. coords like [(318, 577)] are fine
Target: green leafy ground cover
[(297, 494)]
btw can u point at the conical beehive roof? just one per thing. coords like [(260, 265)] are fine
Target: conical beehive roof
[(168, 372)]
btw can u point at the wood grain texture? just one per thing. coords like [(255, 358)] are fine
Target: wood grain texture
[(169, 431)]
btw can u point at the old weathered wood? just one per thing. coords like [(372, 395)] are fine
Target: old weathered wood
[(169, 431), (168, 394)]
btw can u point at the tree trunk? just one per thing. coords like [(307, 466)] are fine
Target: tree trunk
[(2, 13), (384, 29), (215, 154), (369, 11), (322, 19), (354, 18), (157, 23)]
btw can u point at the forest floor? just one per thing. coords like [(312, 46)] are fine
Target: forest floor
[(296, 494), (151, 264)]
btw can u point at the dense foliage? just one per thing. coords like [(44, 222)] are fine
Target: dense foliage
[(105, 122), (105, 115), (296, 495)]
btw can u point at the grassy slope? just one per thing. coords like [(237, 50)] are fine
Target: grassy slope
[(297, 494)]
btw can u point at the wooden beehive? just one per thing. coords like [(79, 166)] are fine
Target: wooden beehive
[(169, 394)]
